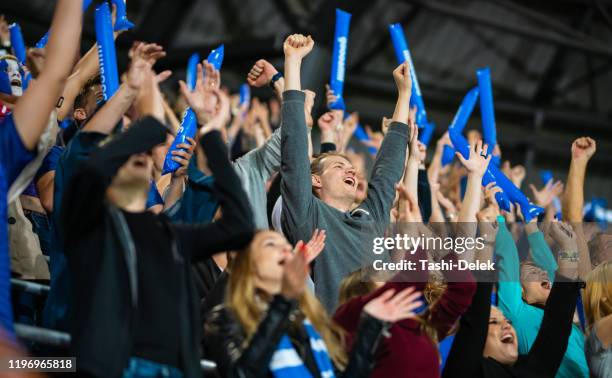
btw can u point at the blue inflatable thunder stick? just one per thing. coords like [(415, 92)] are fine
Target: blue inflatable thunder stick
[(189, 124), (216, 57), (106, 51), (402, 53), (192, 71), (187, 129), (245, 94), (459, 122), (426, 134), (122, 22), (489, 133), (461, 145), (17, 43), (338, 68)]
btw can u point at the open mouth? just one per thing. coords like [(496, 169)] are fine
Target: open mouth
[(350, 181), (507, 338), (15, 83), (140, 162), (545, 285), (282, 261)]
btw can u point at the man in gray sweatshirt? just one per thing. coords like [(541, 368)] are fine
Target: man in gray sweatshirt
[(322, 197)]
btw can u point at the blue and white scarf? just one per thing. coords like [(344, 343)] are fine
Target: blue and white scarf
[(286, 363)]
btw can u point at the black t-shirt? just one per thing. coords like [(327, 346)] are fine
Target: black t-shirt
[(156, 334)]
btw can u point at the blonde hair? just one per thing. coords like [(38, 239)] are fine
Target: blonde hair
[(241, 299), (597, 298)]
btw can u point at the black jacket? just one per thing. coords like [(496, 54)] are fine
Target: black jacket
[(465, 358), (225, 342), (102, 257)]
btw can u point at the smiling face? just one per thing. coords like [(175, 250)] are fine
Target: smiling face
[(11, 77), (269, 251), (334, 178), (535, 283), (501, 339)]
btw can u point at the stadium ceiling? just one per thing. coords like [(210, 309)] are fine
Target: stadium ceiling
[(551, 60)]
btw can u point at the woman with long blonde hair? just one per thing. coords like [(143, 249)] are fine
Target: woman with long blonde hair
[(598, 310), (271, 326)]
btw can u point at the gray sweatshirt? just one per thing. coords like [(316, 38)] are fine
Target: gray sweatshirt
[(254, 170), (348, 245)]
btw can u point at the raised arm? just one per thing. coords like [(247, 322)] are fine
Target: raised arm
[(389, 164), (296, 181), (509, 287), (465, 357), (144, 57), (476, 165), (549, 347), (573, 198), (32, 110), (540, 251), (87, 188)]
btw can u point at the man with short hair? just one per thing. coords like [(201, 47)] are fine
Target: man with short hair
[(322, 197)]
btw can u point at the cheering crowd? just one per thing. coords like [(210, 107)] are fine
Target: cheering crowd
[(255, 253)]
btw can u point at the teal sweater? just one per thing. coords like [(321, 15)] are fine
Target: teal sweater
[(526, 318)]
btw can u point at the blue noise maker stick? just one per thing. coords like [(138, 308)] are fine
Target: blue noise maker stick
[(402, 53), (515, 195), (461, 145), (187, 129), (245, 94), (216, 57), (17, 43), (45, 38), (338, 69), (363, 136), (192, 71), (489, 133), (106, 51), (122, 22), (427, 132), (189, 124), (460, 121)]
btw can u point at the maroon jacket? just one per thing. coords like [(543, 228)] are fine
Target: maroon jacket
[(409, 352)]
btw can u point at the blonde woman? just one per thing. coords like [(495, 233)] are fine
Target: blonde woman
[(598, 309), (270, 326)]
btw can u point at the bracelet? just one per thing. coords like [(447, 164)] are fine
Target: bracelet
[(275, 78)]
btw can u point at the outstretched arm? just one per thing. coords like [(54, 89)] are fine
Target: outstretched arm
[(388, 168), (573, 199), (296, 181), (32, 110)]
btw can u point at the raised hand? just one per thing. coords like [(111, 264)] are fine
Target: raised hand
[(182, 155), (402, 78), (328, 122), (200, 99), (583, 148), (297, 46), (295, 272), (392, 308), (149, 52), (478, 161), (408, 207), (544, 196), (563, 234), (222, 116), (490, 191), (330, 97), (261, 73), (315, 245), (5, 34), (212, 79)]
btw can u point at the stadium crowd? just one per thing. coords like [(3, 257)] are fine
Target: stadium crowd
[(255, 252)]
